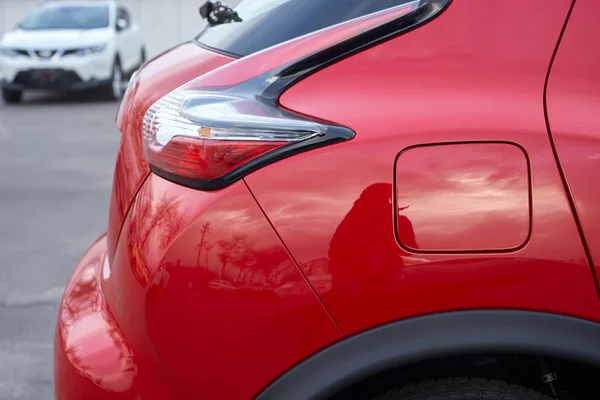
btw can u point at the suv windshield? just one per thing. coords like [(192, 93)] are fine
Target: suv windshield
[(265, 23), (67, 17)]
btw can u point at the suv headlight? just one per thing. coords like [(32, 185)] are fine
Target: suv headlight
[(5, 51), (84, 51)]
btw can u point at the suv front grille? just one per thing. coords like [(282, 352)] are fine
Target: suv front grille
[(47, 78), (45, 54)]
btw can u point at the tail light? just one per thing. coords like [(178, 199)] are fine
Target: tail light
[(223, 125)]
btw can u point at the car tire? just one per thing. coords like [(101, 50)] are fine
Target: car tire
[(142, 56), (116, 87), (462, 389), (12, 96)]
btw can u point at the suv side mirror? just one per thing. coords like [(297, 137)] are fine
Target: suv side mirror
[(122, 24)]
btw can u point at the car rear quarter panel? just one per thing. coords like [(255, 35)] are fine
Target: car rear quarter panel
[(573, 100), (207, 297), (158, 77), (475, 73)]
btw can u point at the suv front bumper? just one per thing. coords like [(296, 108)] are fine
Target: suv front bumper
[(66, 73), (50, 79)]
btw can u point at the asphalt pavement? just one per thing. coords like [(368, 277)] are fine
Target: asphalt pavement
[(56, 162)]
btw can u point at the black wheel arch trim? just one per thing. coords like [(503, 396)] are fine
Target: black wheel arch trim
[(433, 336)]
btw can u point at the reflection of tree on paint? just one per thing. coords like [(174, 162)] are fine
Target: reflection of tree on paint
[(242, 264), (229, 268), (363, 251), (229, 248), (246, 263), (201, 246), (159, 220)]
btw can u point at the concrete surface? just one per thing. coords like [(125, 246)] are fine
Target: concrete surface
[(56, 163)]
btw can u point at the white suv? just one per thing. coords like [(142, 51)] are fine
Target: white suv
[(70, 45)]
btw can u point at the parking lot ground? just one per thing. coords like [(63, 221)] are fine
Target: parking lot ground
[(56, 162)]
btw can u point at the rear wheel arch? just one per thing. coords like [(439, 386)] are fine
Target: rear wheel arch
[(432, 336)]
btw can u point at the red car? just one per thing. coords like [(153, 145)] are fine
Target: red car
[(351, 199)]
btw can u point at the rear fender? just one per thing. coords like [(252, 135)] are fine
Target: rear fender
[(433, 336)]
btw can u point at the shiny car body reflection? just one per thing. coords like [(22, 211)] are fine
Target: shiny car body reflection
[(467, 184), (469, 197)]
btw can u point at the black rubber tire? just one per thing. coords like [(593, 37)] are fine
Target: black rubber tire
[(12, 96), (106, 90), (142, 56), (462, 389)]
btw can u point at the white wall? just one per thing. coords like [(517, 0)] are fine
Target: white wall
[(164, 23)]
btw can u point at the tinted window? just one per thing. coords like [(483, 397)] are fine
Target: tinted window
[(269, 22), (67, 17)]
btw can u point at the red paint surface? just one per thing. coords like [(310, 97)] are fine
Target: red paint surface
[(92, 358), (183, 64), (573, 100), (462, 77), (462, 197), (200, 297), (183, 284)]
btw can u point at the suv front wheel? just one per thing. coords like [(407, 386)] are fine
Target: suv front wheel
[(11, 96), (114, 89)]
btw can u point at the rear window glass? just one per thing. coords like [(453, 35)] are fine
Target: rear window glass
[(266, 23)]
